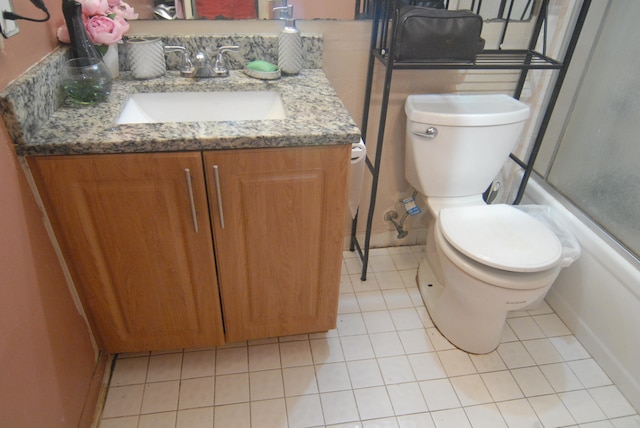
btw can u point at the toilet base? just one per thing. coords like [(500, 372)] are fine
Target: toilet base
[(429, 286), (448, 324)]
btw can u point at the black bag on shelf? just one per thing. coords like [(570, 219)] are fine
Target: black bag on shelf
[(424, 34), (437, 4)]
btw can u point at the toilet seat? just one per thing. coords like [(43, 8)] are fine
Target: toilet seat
[(497, 277), (500, 236)]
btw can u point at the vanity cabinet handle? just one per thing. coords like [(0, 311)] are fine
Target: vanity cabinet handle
[(220, 210), (194, 215)]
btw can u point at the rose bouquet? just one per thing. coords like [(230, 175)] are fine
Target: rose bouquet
[(105, 22)]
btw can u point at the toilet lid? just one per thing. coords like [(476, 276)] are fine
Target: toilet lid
[(500, 236)]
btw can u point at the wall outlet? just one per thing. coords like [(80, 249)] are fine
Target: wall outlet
[(9, 27)]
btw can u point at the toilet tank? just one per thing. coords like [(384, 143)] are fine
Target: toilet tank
[(456, 144)]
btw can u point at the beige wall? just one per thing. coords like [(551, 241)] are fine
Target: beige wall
[(46, 356)]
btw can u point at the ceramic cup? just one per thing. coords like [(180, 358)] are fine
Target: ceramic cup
[(86, 80), (146, 58)]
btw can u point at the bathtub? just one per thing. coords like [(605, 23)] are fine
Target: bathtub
[(598, 296)]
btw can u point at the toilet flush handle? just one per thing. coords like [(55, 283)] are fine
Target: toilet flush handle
[(430, 132)]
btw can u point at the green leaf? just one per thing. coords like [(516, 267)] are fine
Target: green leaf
[(102, 49)]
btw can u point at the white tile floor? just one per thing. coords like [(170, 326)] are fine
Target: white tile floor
[(385, 365)]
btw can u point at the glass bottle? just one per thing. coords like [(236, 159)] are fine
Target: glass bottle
[(81, 45)]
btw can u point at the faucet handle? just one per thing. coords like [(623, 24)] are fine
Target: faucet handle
[(228, 48), (280, 9), (285, 12), (186, 66), (220, 68)]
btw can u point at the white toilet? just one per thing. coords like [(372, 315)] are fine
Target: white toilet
[(482, 260)]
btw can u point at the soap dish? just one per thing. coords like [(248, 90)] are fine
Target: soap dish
[(264, 75)]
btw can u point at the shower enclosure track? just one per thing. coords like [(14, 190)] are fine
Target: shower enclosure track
[(381, 49)]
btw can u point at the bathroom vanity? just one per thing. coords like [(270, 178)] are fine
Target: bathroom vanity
[(193, 234), (143, 262)]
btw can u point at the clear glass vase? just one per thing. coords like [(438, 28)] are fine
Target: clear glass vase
[(86, 80)]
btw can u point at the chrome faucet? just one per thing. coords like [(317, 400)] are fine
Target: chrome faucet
[(201, 66)]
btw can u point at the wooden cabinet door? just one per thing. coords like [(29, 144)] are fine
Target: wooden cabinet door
[(278, 220), (145, 275)]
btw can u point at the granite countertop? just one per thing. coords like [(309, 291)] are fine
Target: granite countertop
[(41, 122), (314, 116)]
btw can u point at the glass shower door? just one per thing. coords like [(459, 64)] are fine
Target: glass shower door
[(597, 164)]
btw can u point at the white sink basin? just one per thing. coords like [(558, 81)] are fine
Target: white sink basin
[(202, 107)]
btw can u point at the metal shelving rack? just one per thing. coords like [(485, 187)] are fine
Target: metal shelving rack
[(381, 50)]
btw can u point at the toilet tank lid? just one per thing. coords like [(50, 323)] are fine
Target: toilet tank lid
[(501, 236), (465, 109)]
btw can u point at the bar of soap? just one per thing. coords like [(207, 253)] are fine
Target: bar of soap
[(261, 66)]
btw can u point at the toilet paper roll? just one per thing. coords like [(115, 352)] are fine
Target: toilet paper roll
[(356, 175)]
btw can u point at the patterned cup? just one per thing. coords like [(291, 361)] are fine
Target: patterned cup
[(146, 58)]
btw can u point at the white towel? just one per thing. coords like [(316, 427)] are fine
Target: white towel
[(356, 176)]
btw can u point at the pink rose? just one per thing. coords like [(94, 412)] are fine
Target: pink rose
[(94, 7), (63, 34), (123, 10), (106, 31), (122, 23)]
